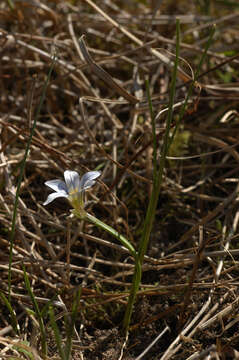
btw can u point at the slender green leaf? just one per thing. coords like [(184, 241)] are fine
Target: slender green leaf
[(57, 334), (111, 231), (10, 4), (37, 311), (192, 84), (14, 216), (12, 313), (157, 181), (71, 324)]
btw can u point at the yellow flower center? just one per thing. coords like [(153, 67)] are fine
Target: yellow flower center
[(76, 199)]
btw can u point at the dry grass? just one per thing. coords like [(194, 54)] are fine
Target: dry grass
[(190, 276)]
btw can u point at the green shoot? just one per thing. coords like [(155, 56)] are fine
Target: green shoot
[(22, 168), (57, 334), (37, 312), (157, 181), (12, 313)]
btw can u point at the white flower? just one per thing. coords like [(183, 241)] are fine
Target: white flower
[(72, 188)]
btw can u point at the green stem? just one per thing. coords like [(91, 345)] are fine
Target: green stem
[(10, 4), (22, 169), (133, 293), (83, 215), (194, 81), (157, 182)]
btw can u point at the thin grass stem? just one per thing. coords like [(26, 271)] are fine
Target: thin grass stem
[(57, 334), (108, 229), (37, 312), (10, 4), (192, 84), (12, 313), (71, 325), (22, 168), (157, 182)]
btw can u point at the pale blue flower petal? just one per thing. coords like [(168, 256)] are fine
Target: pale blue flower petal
[(54, 196), (87, 179), (72, 180), (73, 187), (57, 185)]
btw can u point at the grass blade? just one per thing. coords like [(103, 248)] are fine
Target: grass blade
[(111, 231), (157, 181), (12, 313), (37, 311), (192, 84), (71, 324), (22, 168), (57, 334)]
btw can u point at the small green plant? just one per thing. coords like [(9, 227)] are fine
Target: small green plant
[(74, 188)]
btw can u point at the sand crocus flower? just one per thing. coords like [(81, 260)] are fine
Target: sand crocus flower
[(72, 188)]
